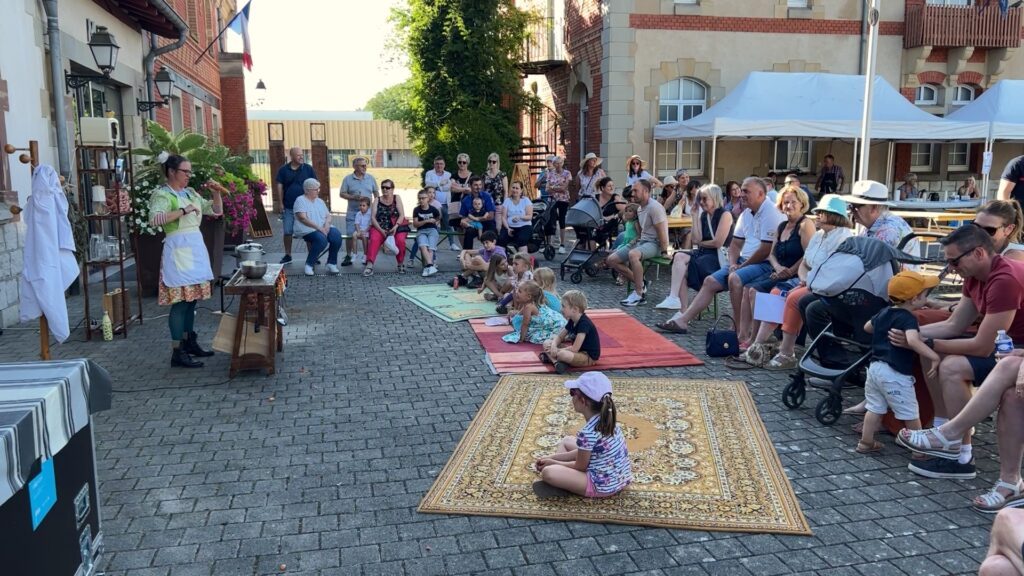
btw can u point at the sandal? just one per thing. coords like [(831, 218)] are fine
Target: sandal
[(368, 271), (921, 441), (782, 362), (671, 327), (993, 501), (863, 448), (545, 358), (858, 410), (738, 363)]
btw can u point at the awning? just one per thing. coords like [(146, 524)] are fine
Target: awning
[(144, 14), (1001, 106)]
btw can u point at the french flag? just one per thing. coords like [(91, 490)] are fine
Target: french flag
[(240, 24)]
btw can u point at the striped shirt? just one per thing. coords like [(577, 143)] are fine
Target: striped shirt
[(609, 467)]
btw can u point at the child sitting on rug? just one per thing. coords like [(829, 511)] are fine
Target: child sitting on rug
[(532, 321), (584, 347), (475, 262), (890, 380), (522, 270), (596, 462), (495, 279), (546, 278)]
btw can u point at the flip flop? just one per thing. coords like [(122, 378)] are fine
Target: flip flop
[(863, 448)]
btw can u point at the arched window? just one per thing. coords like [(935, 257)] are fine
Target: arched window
[(962, 95), (679, 100), (927, 95)]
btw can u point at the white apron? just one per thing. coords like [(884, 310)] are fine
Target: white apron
[(185, 261)]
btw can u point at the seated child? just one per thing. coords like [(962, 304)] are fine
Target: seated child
[(425, 219), (495, 279), (532, 321), (474, 262), (596, 462), (362, 232), (522, 270), (630, 226), (546, 278), (584, 347), (476, 215), (890, 381)]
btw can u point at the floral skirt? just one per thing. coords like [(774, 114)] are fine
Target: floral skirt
[(191, 293)]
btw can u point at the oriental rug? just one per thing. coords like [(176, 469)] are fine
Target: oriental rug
[(625, 343), (446, 303), (701, 458)]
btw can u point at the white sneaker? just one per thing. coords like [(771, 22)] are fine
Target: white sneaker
[(670, 303), (455, 247), (333, 269), (308, 270), (426, 271), (362, 258), (561, 249), (432, 270), (633, 299)]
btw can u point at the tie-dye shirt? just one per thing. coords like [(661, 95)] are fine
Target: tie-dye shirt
[(609, 468)]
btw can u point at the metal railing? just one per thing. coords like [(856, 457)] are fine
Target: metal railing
[(931, 25), (546, 41)]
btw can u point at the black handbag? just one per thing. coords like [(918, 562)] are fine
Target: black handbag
[(719, 343)]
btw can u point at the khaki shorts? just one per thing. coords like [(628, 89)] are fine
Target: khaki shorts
[(581, 359)]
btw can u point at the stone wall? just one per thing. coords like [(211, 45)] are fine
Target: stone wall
[(12, 241)]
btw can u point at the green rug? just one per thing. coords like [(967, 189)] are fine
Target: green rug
[(448, 304)]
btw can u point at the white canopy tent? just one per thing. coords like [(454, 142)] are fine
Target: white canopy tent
[(1001, 109), (815, 105)]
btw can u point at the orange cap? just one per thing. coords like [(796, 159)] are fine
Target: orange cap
[(906, 285)]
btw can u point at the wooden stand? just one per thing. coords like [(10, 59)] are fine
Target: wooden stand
[(264, 310)]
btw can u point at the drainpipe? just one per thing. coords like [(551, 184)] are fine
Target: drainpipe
[(147, 62), (60, 118), (863, 35)]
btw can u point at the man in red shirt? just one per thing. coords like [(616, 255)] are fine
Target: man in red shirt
[(994, 292)]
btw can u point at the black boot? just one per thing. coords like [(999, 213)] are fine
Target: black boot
[(192, 346), (181, 358)]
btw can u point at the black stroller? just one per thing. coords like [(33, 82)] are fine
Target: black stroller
[(853, 284), (542, 215), (585, 218)]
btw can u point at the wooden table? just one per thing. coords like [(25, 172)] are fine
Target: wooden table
[(935, 219), (684, 221), (259, 298)]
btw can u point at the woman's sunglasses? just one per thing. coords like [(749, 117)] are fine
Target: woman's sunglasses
[(990, 229)]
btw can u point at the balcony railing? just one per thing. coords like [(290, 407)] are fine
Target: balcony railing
[(930, 25), (544, 48)]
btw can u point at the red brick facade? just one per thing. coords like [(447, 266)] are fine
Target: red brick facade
[(234, 120), (758, 25)]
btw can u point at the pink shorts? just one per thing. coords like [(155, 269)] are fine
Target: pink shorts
[(593, 493)]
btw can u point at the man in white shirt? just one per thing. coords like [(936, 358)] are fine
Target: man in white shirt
[(441, 181), (748, 255)]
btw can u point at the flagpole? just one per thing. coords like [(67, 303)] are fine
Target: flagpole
[(869, 90), (221, 33)]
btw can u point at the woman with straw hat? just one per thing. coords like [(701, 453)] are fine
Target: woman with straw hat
[(590, 174), (635, 171)]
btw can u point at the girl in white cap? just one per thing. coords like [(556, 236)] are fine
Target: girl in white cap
[(595, 463)]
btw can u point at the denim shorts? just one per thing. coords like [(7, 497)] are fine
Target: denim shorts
[(288, 221), (428, 238), (350, 222)]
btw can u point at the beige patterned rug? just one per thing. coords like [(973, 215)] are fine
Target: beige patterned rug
[(702, 459)]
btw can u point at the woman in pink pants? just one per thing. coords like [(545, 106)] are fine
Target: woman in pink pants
[(388, 217)]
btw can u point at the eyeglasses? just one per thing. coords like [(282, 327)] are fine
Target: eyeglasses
[(189, 172), (990, 229), (956, 261), (790, 182)]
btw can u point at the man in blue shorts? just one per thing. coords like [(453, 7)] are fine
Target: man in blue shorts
[(289, 187)]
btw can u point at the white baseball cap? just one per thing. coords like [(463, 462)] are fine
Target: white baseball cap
[(593, 384)]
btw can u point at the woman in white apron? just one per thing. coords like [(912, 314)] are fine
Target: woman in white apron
[(185, 272)]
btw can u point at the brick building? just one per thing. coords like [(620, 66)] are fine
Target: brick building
[(609, 71)]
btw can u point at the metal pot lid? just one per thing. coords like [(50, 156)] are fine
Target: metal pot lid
[(249, 246)]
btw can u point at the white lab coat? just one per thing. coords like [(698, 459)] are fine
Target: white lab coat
[(50, 265)]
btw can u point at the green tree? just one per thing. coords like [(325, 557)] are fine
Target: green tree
[(392, 103), (465, 92)]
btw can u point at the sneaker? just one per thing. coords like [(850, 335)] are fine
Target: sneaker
[(669, 303), (432, 270), (333, 268), (362, 259), (426, 271), (475, 282), (286, 259), (561, 249), (501, 309), (634, 299), (454, 248), (347, 260), (308, 270), (943, 468)]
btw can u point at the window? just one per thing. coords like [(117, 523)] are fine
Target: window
[(921, 157), (260, 156), (962, 95), (797, 4), (927, 95), (215, 126), (176, 121), (679, 100), (792, 154), (584, 105), (959, 157), (197, 120)]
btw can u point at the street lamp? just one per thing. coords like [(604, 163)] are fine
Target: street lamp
[(164, 84), (104, 51), (261, 93)]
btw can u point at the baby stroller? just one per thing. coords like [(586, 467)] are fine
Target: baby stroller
[(853, 284), (542, 215), (585, 219)]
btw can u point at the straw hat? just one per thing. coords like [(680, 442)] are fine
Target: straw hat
[(592, 156), (668, 181), (635, 157), (868, 192)]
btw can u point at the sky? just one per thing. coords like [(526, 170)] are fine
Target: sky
[(320, 54)]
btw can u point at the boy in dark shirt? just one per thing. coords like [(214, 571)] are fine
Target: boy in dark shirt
[(890, 381), (424, 219), (584, 347)]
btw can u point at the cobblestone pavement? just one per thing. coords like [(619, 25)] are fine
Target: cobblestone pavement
[(319, 468)]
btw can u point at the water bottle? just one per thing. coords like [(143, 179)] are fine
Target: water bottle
[(108, 327), (1004, 344)]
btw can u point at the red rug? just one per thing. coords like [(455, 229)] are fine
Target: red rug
[(625, 343)]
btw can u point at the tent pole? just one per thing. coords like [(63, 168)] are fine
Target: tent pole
[(714, 150), (989, 142), (853, 163), (869, 90), (888, 165)]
